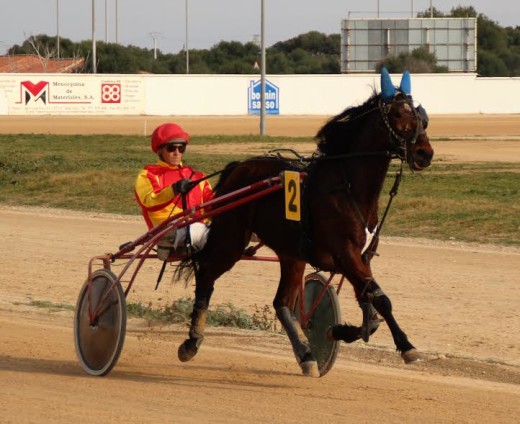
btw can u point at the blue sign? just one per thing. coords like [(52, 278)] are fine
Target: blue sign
[(272, 98)]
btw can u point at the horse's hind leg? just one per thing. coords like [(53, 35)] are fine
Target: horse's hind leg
[(214, 260), (189, 348), (291, 278)]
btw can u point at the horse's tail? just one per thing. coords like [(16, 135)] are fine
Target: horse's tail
[(187, 268)]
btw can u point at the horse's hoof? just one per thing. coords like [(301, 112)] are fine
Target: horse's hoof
[(310, 369), (411, 356), (186, 352)]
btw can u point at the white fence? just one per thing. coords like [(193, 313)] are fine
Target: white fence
[(80, 94)]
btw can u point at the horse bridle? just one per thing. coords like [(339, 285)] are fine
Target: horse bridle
[(396, 140)]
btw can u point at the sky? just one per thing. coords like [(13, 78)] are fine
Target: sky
[(143, 22)]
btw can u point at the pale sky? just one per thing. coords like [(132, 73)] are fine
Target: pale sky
[(211, 21)]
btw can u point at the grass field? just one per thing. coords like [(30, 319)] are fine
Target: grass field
[(475, 202)]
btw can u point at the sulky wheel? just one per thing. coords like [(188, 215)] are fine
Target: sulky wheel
[(99, 343), (326, 314)]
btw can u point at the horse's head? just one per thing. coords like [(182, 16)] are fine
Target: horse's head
[(387, 123), (405, 123)]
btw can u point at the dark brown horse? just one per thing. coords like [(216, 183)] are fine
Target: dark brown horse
[(340, 206)]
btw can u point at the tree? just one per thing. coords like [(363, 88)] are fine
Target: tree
[(312, 52), (490, 64), (418, 61), (463, 12), (279, 63), (309, 53), (427, 14), (498, 49)]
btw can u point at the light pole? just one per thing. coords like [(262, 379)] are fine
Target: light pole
[(262, 69), (94, 66), (106, 21), (117, 21), (187, 45), (58, 28), (154, 36)]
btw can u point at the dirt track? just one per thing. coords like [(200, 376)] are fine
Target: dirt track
[(297, 126), (458, 303)]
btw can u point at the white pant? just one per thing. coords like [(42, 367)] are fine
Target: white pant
[(198, 235)]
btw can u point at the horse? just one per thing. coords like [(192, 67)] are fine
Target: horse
[(340, 192)]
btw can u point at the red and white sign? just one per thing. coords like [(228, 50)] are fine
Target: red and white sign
[(110, 93)]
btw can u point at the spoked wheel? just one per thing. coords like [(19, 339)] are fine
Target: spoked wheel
[(325, 315), (99, 342)]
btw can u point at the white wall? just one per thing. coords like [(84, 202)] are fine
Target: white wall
[(41, 94), (4, 108), (196, 94)]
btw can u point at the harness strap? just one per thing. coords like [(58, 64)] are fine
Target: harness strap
[(371, 250)]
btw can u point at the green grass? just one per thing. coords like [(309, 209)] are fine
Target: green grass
[(92, 173), (226, 315), (179, 312), (477, 202), (52, 307)]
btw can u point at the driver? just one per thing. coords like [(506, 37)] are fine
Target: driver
[(159, 189)]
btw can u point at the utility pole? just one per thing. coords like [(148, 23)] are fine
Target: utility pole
[(58, 28), (187, 45), (94, 64), (117, 21), (106, 21), (154, 36), (262, 69)]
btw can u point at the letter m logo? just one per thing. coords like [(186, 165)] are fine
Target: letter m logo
[(30, 92)]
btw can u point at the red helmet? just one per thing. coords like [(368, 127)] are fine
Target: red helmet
[(168, 133)]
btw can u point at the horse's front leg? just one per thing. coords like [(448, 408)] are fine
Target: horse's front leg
[(290, 280), (211, 263), (381, 302), (371, 298)]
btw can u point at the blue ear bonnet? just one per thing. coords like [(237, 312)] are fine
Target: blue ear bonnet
[(388, 91)]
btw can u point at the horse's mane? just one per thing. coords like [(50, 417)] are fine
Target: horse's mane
[(337, 131), (224, 174)]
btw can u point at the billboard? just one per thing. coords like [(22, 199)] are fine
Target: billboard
[(47, 94), (366, 42)]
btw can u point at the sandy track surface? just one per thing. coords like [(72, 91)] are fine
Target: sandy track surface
[(457, 302), (296, 126)]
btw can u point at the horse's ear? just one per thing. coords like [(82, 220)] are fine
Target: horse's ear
[(406, 83), (387, 88)]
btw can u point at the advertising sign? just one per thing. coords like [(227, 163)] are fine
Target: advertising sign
[(272, 98), (56, 94)]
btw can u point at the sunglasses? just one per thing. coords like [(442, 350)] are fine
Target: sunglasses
[(173, 147)]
